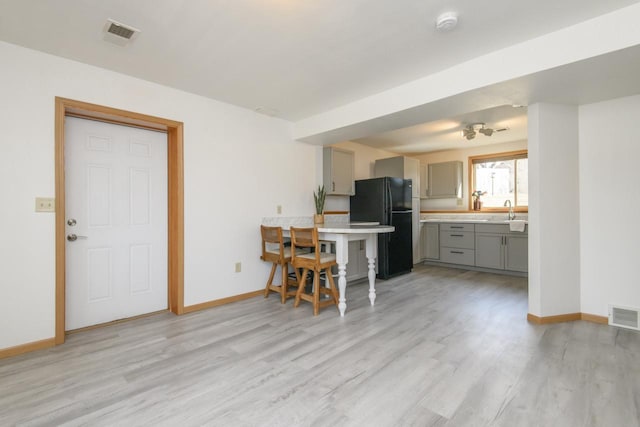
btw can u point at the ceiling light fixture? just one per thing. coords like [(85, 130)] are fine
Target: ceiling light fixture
[(470, 131), (447, 21)]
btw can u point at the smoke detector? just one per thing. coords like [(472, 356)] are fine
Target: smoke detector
[(447, 21), (119, 33)]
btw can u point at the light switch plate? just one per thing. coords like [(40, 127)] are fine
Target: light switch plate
[(45, 204)]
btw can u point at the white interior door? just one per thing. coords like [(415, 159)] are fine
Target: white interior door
[(116, 206)]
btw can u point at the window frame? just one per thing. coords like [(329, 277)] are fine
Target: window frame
[(509, 155)]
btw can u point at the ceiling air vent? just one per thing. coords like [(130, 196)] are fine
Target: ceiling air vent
[(119, 33), (624, 317)]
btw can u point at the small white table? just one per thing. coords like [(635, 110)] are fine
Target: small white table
[(342, 234)]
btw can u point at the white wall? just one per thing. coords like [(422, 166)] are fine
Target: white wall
[(554, 213), (463, 156), (239, 166), (365, 158), (609, 204)]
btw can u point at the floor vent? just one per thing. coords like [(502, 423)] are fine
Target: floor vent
[(624, 317)]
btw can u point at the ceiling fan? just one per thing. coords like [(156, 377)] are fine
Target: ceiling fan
[(470, 131)]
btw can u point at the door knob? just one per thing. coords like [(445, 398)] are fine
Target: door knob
[(73, 237), (71, 222)]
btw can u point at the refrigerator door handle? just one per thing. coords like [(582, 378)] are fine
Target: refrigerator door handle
[(390, 203)]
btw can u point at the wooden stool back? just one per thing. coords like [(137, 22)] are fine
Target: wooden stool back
[(274, 251), (317, 261)]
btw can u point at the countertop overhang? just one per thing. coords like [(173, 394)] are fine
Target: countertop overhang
[(355, 228)]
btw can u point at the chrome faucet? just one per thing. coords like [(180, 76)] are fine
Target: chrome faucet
[(512, 214)]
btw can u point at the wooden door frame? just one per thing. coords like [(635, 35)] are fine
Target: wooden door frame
[(175, 189)]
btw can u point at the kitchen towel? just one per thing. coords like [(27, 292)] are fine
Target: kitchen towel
[(517, 225)]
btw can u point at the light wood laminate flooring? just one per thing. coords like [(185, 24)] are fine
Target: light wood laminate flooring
[(441, 347)]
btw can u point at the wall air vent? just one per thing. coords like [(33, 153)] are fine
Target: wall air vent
[(119, 33), (624, 317)]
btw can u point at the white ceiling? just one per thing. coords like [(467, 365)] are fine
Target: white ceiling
[(297, 58), (446, 134)]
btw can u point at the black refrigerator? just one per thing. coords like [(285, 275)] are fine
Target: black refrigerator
[(387, 201)]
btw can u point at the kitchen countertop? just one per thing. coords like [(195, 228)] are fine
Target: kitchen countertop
[(474, 221), (355, 228)]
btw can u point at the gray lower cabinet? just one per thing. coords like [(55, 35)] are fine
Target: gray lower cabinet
[(490, 253), (517, 253), (457, 244), (430, 241), (357, 266), (485, 245), (499, 248)]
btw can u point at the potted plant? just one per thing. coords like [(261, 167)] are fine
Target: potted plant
[(319, 197), (477, 203)]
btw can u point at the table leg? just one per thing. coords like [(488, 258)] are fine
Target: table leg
[(342, 285), (371, 252), (372, 280), (342, 258)]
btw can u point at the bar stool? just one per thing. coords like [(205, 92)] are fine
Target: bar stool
[(274, 251), (316, 261)]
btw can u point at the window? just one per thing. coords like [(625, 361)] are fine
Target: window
[(501, 177)]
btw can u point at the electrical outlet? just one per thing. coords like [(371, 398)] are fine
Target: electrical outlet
[(279, 209), (238, 267), (45, 204)]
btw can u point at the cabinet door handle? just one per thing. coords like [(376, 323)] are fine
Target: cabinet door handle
[(457, 226), (456, 235), (456, 252), (333, 186)]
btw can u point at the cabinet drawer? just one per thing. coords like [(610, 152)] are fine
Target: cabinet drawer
[(457, 227), (457, 239), (457, 256)]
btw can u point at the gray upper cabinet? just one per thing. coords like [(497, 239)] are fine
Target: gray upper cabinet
[(424, 181), (400, 167), (445, 180), (337, 171)]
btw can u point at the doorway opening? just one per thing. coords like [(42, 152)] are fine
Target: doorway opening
[(175, 196)]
